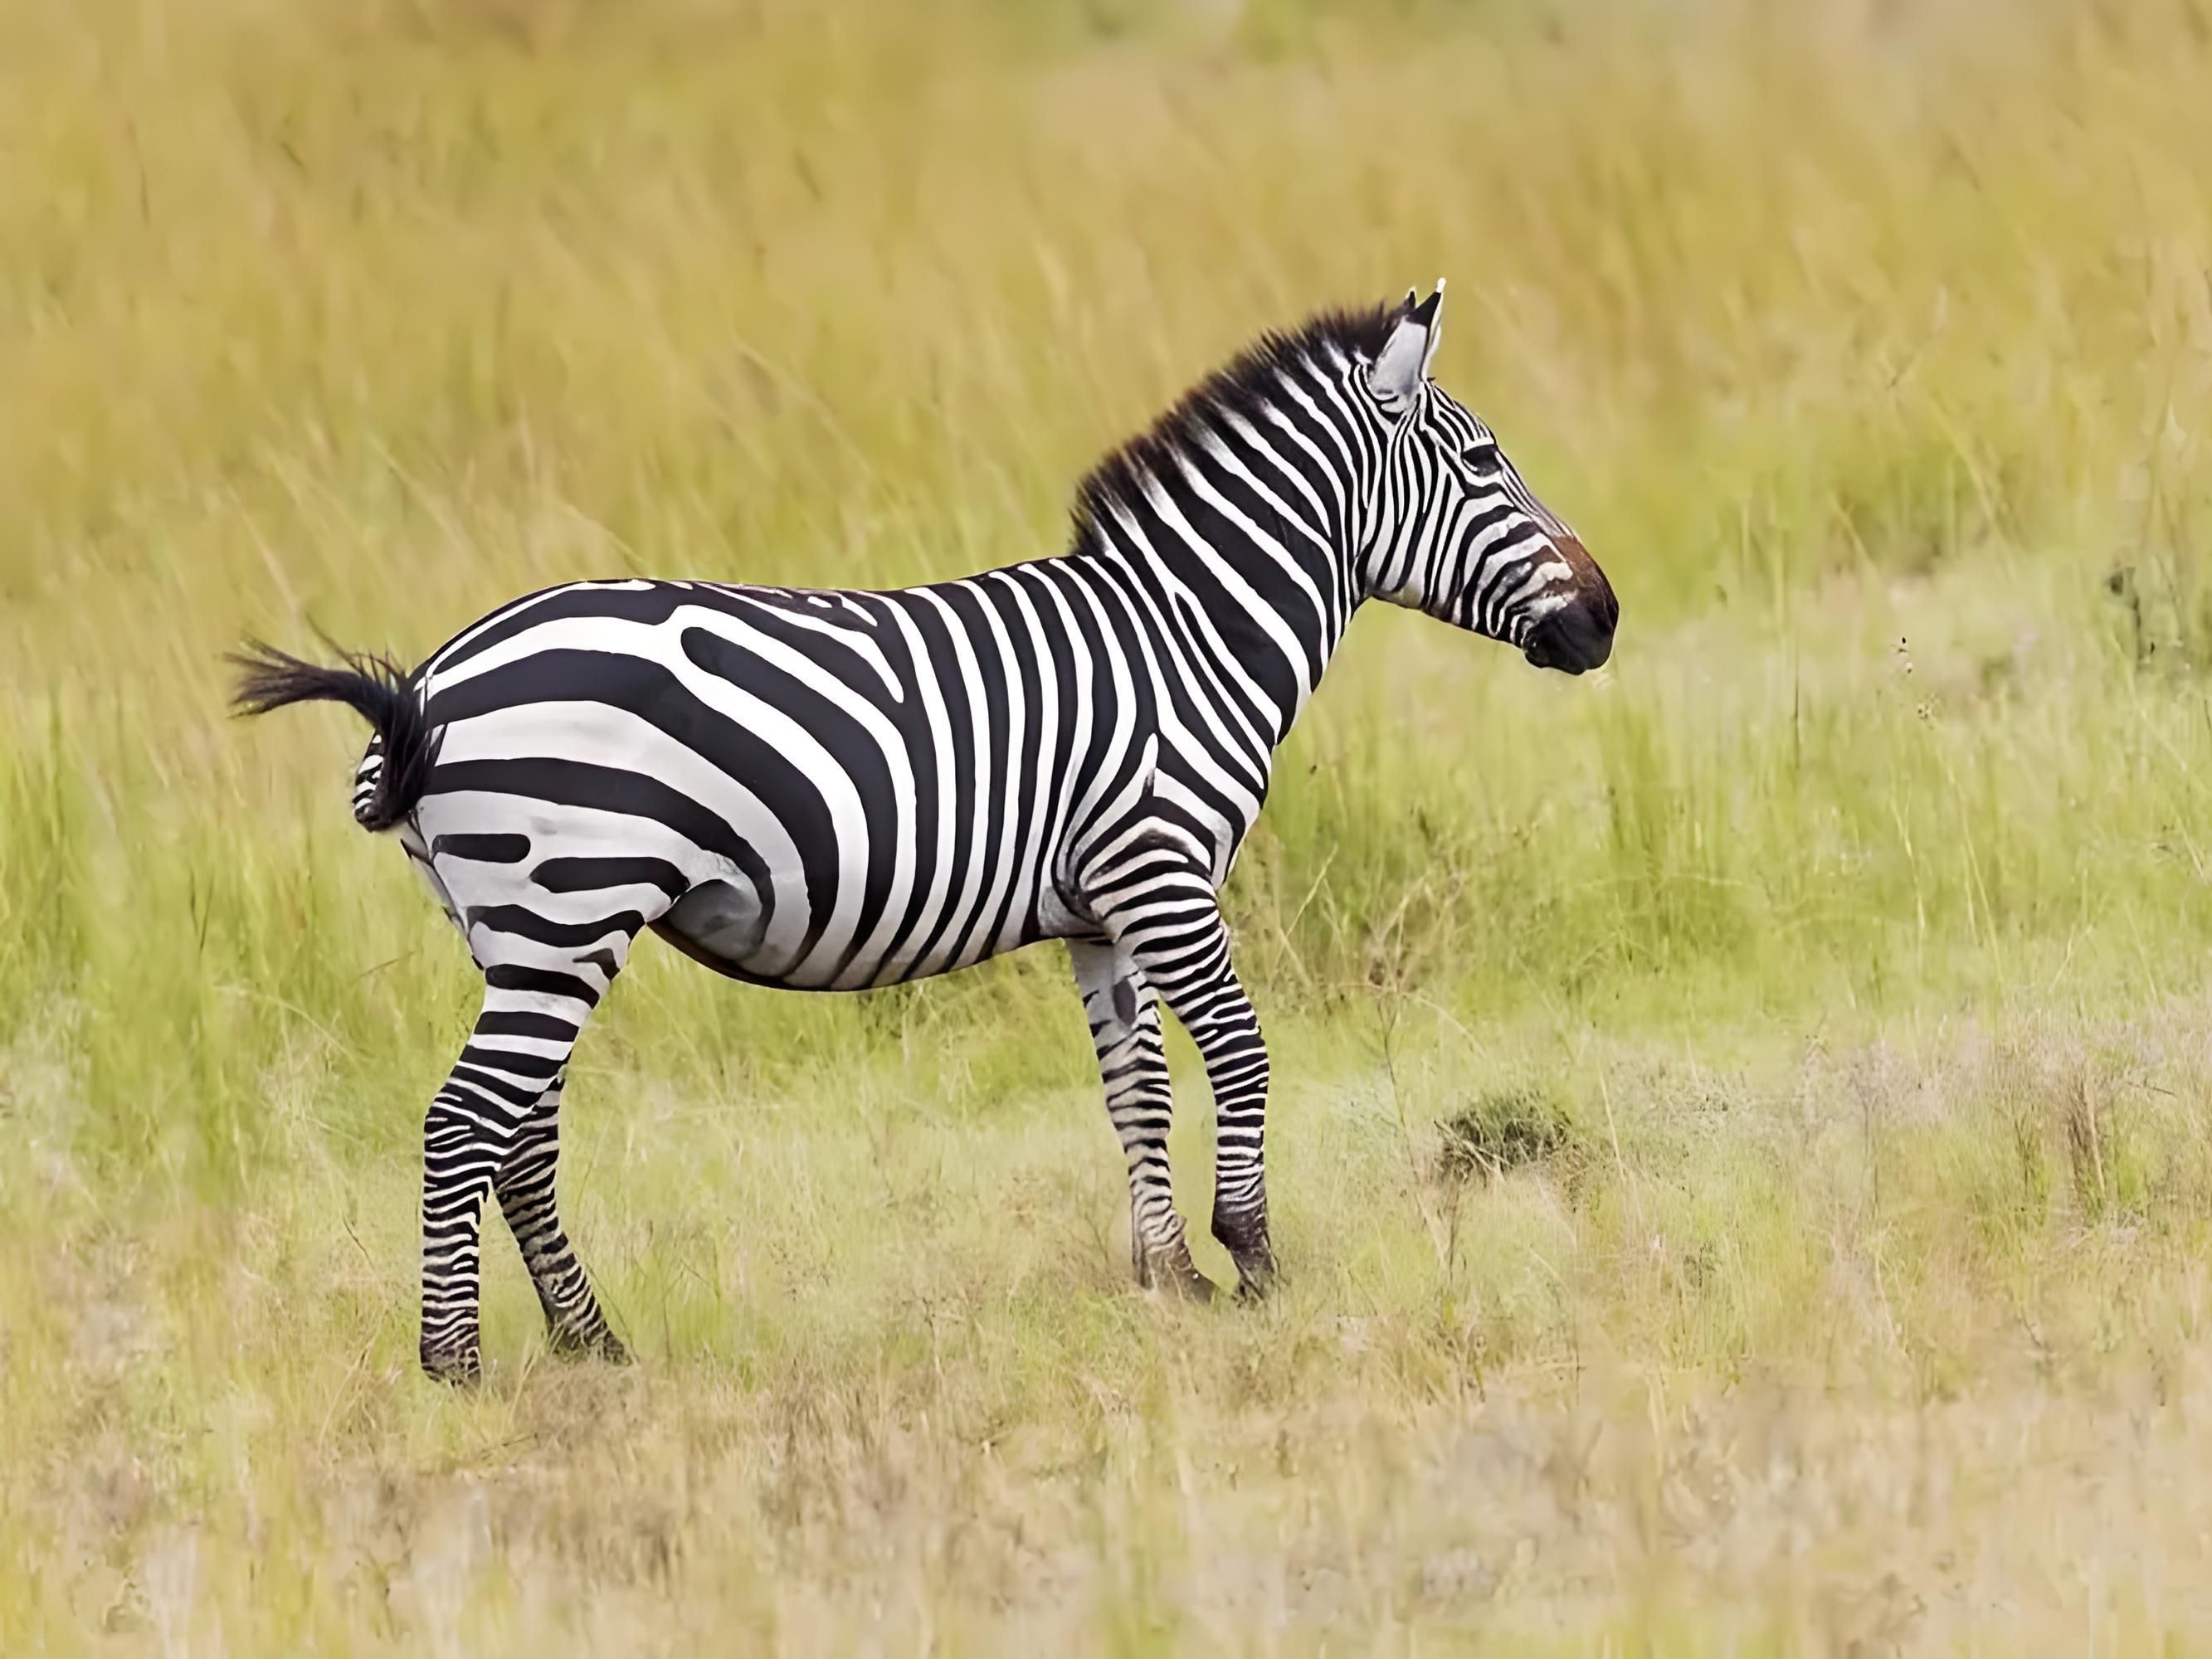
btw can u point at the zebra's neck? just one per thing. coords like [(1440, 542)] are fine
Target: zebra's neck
[(1244, 530)]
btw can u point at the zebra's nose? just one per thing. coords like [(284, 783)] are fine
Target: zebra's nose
[(1572, 639), (1578, 635)]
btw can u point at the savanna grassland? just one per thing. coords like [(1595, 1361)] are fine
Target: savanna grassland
[(1742, 1142)]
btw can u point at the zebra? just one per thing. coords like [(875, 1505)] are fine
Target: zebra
[(830, 790)]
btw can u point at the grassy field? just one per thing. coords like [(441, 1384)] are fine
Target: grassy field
[(1742, 1156)]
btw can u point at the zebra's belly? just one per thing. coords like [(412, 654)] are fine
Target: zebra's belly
[(723, 925)]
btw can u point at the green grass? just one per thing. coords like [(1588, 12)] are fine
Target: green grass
[(1820, 990)]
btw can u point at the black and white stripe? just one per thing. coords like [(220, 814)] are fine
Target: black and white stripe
[(836, 790)]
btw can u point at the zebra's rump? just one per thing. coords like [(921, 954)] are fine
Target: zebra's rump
[(820, 791)]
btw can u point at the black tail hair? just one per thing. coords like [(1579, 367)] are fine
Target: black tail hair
[(373, 687)]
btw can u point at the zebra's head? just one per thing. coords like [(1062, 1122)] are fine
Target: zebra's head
[(1455, 532)]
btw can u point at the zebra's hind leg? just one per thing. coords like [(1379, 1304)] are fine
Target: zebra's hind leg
[(525, 1187), (515, 1055), (1124, 1028)]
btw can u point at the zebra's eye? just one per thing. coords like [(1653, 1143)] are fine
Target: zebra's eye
[(1485, 460)]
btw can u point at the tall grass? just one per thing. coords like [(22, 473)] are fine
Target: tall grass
[(1854, 919)]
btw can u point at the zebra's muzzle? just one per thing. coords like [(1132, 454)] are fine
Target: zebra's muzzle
[(1576, 637)]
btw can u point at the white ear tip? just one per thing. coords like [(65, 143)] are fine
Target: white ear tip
[(1440, 284)]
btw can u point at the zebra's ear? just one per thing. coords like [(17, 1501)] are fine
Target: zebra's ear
[(1403, 363)]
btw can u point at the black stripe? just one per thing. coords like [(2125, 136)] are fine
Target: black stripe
[(989, 722), (590, 875), (525, 923), (511, 1062), (1061, 765), (1024, 777), (522, 1022), (656, 604), (485, 849), (464, 1076)]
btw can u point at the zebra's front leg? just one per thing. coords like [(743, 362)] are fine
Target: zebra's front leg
[(526, 1186), (521, 1042), (1124, 1013), (1174, 932)]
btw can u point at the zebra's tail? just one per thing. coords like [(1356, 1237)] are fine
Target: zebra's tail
[(373, 687)]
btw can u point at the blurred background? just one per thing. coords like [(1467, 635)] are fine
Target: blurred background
[(1868, 345)]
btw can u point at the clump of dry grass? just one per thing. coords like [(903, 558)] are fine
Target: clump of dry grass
[(1502, 1129)]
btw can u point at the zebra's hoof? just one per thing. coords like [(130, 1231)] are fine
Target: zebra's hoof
[(1244, 1234), (1255, 1273), (460, 1368), (1196, 1288), (603, 1346), (1172, 1272), (1199, 1289)]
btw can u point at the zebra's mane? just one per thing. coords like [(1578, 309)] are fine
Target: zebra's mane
[(1247, 382)]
